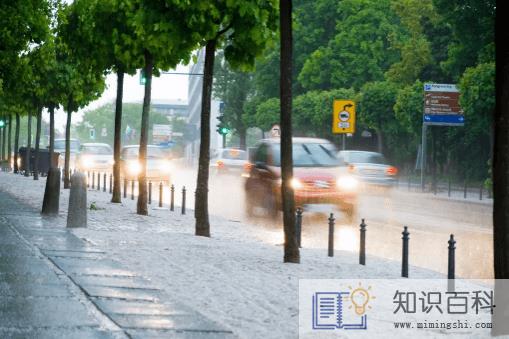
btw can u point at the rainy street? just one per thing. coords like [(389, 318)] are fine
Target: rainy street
[(430, 220)]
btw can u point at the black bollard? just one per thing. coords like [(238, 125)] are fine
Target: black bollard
[(451, 263), (125, 188), (404, 261), (111, 183), (88, 179), (77, 210), (104, 182), (161, 194), (98, 181), (362, 249), (93, 181), (298, 226), (132, 189), (331, 235), (172, 197), (150, 192), (184, 200)]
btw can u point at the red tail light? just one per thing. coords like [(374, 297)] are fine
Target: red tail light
[(248, 166), (392, 171)]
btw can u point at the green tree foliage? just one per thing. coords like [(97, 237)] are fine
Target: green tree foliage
[(360, 52)]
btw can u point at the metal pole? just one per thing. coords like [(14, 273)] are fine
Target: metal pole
[(298, 226), (98, 181), (161, 194), (172, 197), (88, 179), (150, 192), (423, 155), (132, 189), (404, 261), (344, 142), (331, 235), (104, 182), (125, 188), (451, 263), (184, 200), (111, 183), (362, 243), (93, 180)]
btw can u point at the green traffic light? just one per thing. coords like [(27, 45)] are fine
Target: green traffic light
[(224, 130), (2, 123)]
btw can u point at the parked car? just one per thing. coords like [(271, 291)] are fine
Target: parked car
[(370, 168), (95, 157), (74, 150), (319, 177), (159, 167), (229, 161)]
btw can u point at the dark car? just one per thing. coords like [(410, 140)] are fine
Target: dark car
[(319, 177)]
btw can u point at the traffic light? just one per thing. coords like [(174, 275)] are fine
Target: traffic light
[(224, 130), (143, 77), (2, 123)]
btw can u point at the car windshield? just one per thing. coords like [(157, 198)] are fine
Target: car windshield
[(97, 149), (60, 144), (310, 155), (234, 154), (152, 152), (366, 158)]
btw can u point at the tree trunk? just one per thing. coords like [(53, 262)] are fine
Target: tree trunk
[(142, 207), (16, 144), (201, 211), (67, 150), (9, 140), (29, 145), (242, 138), (52, 136), (37, 142), (501, 182), (117, 143), (4, 137), (285, 23)]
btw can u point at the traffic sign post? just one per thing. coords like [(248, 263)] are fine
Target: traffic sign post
[(441, 108), (343, 118)]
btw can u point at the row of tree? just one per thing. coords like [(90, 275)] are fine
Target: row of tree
[(57, 54), (379, 53)]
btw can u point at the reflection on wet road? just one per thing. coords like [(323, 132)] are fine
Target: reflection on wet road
[(430, 221)]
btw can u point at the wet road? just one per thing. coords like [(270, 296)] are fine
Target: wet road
[(430, 221)]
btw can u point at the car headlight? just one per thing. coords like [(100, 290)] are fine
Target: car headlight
[(134, 167), (296, 183), (86, 162), (347, 183)]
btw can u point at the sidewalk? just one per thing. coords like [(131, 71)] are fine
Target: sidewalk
[(55, 285), (236, 278)]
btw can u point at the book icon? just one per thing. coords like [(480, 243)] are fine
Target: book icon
[(329, 312)]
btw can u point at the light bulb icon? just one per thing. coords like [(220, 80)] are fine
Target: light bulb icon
[(360, 298)]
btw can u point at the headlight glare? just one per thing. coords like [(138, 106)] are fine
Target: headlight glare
[(347, 183)]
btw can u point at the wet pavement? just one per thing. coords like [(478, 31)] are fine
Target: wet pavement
[(56, 285)]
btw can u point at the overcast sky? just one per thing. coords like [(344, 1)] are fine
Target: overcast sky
[(167, 86)]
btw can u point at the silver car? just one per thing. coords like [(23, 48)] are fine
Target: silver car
[(229, 160), (95, 157), (371, 168), (74, 151)]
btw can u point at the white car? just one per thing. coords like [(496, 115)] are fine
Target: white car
[(159, 167), (229, 160), (95, 157), (74, 150)]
